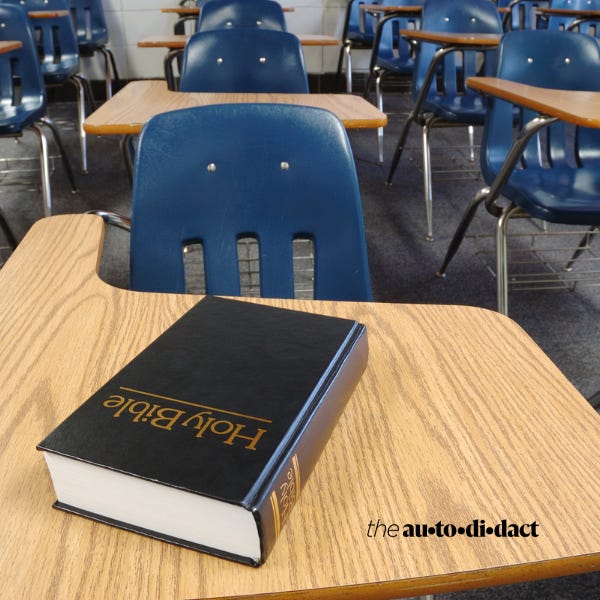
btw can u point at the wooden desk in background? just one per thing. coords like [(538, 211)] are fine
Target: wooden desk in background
[(577, 107), (127, 111), (47, 14), (578, 16), (10, 45), (175, 43), (459, 417), (183, 11)]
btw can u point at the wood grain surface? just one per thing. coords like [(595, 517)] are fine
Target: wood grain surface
[(578, 107), (127, 111), (459, 416)]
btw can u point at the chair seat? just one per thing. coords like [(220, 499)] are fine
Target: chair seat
[(396, 65), (558, 195), (360, 40), (13, 119), (89, 47), (469, 109), (60, 72)]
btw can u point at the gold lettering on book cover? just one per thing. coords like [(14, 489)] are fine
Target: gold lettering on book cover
[(232, 428), (284, 498)]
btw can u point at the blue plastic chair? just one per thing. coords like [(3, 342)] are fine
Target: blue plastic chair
[(273, 172), (392, 55), (441, 97), (224, 14), (555, 177), (522, 14), (92, 36), (358, 34), (589, 25), (23, 95), (59, 57), (243, 60)]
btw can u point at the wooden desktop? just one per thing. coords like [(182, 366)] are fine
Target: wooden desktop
[(458, 418)]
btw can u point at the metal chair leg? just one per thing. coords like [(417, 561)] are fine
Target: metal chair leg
[(502, 260), (427, 183), (63, 155), (128, 150), (8, 232), (379, 100), (108, 60), (399, 149), (78, 83), (583, 244), (44, 169), (461, 230), (471, 133), (348, 50)]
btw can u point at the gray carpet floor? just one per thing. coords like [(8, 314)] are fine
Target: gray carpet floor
[(563, 322)]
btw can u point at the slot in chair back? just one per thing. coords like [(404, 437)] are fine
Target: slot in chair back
[(556, 175), (243, 60), (448, 93), (91, 32), (273, 172), (441, 97), (392, 54), (55, 38), (588, 25), (19, 109), (551, 60), (225, 14), (59, 57), (23, 94), (522, 14), (358, 33)]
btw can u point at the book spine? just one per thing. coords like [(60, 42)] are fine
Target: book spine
[(276, 503)]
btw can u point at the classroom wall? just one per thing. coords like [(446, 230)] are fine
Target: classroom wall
[(130, 20)]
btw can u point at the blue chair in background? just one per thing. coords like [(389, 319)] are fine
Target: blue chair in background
[(23, 95), (441, 98), (243, 60), (392, 55), (92, 36), (550, 172), (358, 33), (225, 14), (584, 24), (275, 173), (522, 14), (59, 57)]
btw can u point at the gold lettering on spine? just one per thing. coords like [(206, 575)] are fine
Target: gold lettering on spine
[(276, 517), (289, 491)]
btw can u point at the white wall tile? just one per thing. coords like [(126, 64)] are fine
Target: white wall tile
[(131, 20)]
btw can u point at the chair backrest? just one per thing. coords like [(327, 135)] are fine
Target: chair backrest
[(523, 14), (391, 47), (243, 60), (271, 172), (562, 23), (357, 23), (89, 22), (19, 108), (551, 59), (219, 14), (474, 16), (55, 39)]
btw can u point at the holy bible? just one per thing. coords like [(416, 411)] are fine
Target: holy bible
[(206, 438)]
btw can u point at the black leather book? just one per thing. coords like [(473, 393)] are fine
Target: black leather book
[(206, 438)]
